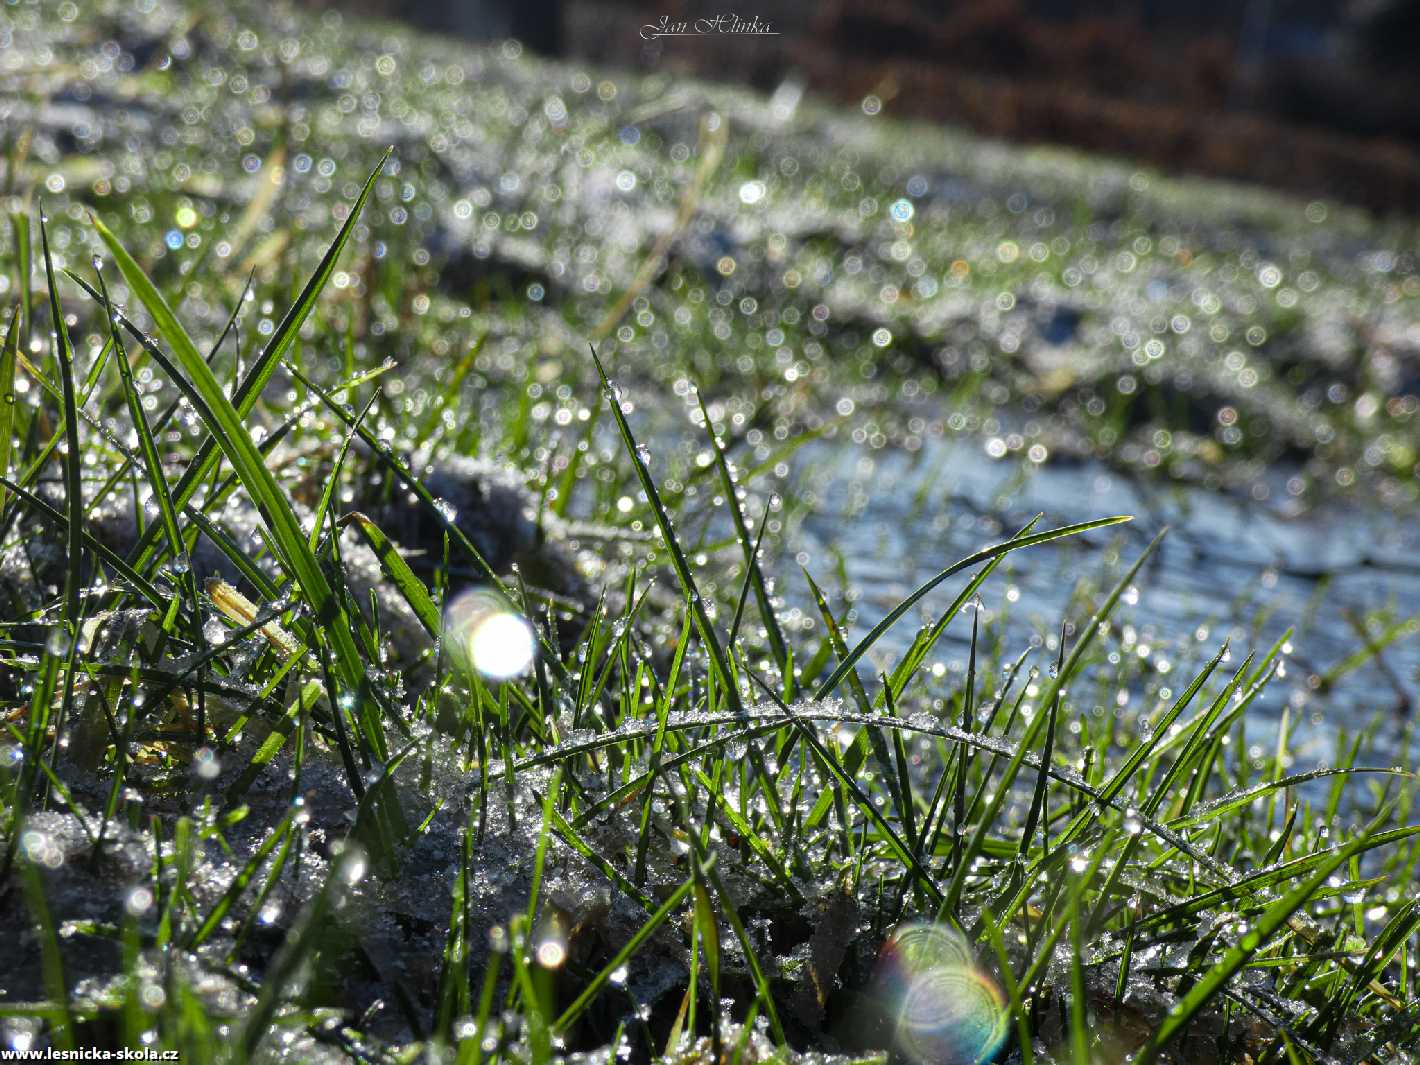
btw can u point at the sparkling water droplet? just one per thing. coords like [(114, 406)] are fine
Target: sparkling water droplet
[(58, 642)]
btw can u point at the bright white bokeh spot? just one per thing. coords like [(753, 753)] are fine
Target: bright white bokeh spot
[(494, 640), (551, 953)]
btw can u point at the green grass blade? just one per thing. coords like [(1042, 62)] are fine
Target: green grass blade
[(679, 562), (73, 493), (225, 423), (7, 395), (398, 571), (1272, 919), (754, 572)]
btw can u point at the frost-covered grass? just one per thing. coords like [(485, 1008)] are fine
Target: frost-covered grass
[(269, 790)]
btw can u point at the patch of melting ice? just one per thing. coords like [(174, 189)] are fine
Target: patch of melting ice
[(1228, 569)]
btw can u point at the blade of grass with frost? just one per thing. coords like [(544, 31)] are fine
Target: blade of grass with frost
[(153, 464), (226, 425), (1143, 750), (73, 492), (1272, 919), (836, 641), (826, 688), (985, 729), (1250, 885), (453, 998), (578, 842), (1037, 721), (968, 709), (872, 737), (533, 994), (663, 709), (1077, 888), (95, 373), (1401, 927), (1213, 741), (864, 802), (776, 866), (747, 582), (904, 774), (1236, 800), (7, 396), (177, 894), (777, 642), (1037, 804), (153, 467), (1196, 740), (549, 802), (708, 932), (249, 391), (74, 500), (663, 522), (1284, 837), (1079, 1026)]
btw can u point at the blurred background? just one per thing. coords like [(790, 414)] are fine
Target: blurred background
[(1309, 95)]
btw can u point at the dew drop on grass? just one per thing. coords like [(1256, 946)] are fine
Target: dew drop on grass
[(58, 642)]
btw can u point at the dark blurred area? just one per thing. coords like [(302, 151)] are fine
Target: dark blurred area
[(1316, 97)]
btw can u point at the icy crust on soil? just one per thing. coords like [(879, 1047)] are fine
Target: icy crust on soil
[(386, 935), (487, 502)]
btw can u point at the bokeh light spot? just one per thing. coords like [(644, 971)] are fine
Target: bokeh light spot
[(488, 636), (945, 1009)]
